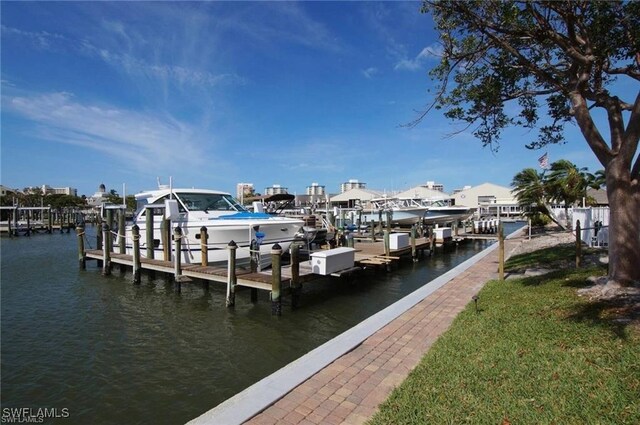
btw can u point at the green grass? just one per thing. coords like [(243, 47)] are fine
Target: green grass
[(535, 353)]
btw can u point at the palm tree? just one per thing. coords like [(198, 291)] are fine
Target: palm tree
[(566, 183), (531, 190)]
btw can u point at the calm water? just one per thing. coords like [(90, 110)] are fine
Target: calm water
[(113, 352)]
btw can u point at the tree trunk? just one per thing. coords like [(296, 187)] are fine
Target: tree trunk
[(624, 224)]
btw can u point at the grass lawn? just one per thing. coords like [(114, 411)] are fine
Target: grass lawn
[(534, 353)]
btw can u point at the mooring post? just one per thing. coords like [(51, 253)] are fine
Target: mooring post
[(432, 242), (204, 248), (9, 219), (49, 221), (276, 299), (68, 221), (253, 265), (166, 238), (387, 248), (529, 228), (28, 223), (232, 279), (177, 266), (109, 219), (15, 222), (373, 230), (296, 286), (135, 236), (61, 219), (578, 245), (121, 227), (106, 250), (148, 228), (500, 251), (414, 251), (82, 263)]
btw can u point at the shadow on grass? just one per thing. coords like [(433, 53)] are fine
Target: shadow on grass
[(615, 315), (548, 258)]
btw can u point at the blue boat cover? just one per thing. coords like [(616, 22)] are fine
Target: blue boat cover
[(244, 215)]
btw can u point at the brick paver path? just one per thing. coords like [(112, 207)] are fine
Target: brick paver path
[(349, 390)]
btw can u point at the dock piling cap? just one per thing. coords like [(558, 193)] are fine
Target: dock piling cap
[(276, 248)]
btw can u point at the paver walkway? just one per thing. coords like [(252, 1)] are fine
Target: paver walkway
[(349, 390)]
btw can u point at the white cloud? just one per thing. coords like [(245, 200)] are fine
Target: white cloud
[(137, 139), (41, 39), (177, 74), (370, 72), (433, 51)]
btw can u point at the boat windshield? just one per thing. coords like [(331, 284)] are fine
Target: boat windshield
[(209, 202)]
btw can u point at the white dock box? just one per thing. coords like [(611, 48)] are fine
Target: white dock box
[(442, 234), (332, 260), (398, 240)]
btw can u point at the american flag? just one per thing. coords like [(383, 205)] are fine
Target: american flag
[(544, 161)]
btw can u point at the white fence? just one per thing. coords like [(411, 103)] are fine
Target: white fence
[(595, 222)]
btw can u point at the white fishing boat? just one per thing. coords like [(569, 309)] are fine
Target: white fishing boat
[(223, 217), (440, 212), (402, 212)]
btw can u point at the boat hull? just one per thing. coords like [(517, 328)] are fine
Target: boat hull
[(265, 232)]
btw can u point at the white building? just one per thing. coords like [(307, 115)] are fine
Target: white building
[(48, 190), (243, 190), (423, 192), (434, 186), (275, 190), (351, 184), (99, 197), (489, 200), (315, 189), (353, 197)]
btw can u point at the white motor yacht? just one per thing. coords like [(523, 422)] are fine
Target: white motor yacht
[(223, 217)]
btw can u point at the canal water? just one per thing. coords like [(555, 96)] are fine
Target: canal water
[(112, 352)]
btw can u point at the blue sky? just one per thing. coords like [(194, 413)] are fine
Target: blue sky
[(214, 94)]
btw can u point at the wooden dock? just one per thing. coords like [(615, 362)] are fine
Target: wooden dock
[(278, 280)]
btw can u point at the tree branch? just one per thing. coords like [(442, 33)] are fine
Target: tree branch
[(631, 137), (588, 128)]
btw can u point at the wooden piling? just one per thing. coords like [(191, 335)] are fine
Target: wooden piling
[(414, 252), (177, 258), (82, 262), (387, 246), (49, 221), (578, 245), (276, 270), (231, 274), (254, 257), (106, 250), (121, 230), (166, 238), (28, 223), (373, 230), (137, 266), (204, 247), (148, 223), (9, 219), (500, 251), (296, 287)]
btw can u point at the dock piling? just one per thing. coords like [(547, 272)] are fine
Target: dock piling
[(414, 251), (296, 287), (135, 236), (166, 239), (106, 250), (204, 249), (276, 266), (177, 239), (121, 240), (82, 263), (231, 275), (148, 222)]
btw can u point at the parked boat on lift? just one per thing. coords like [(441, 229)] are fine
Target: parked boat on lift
[(223, 217)]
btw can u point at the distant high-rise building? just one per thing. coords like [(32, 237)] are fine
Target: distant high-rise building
[(352, 184), (244, 190), (275, 189), (315, 189)]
